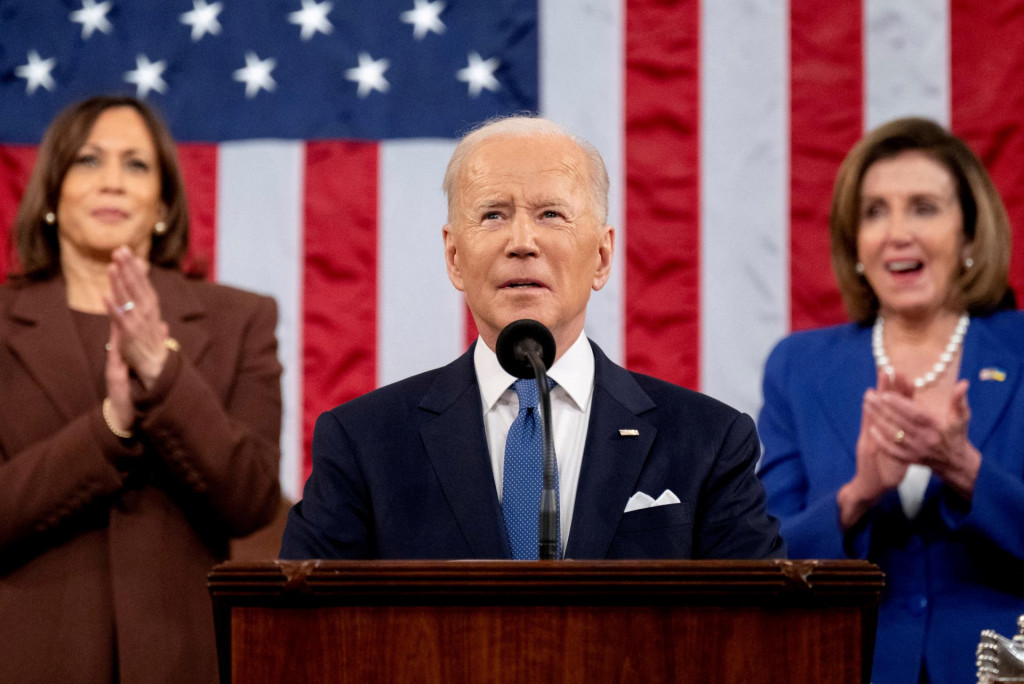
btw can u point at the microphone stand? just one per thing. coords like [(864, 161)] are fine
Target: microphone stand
[(522, 346), (548, 519)]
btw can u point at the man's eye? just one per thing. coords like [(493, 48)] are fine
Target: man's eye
[(550, 214), (492, 216)]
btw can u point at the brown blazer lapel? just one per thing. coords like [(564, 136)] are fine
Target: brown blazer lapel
[(183, 311), (44, 339)]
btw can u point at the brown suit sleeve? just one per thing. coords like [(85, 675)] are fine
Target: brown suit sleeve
[(53, 479), (223, 449)]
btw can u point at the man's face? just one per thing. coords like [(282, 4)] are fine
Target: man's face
[(524, 240)]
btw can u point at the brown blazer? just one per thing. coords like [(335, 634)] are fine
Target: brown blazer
[(105, 543)]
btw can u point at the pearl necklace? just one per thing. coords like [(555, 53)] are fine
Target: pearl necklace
[(955, 340)]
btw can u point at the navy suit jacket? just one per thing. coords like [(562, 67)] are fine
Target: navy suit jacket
[(958, 567), (404, 473)]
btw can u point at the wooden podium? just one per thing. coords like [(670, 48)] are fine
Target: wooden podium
[(593, 622)]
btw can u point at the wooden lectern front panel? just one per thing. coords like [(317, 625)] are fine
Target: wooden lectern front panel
[(589, 622), (367, 644)]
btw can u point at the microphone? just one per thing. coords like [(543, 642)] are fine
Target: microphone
[(526, 349), (517, 340)]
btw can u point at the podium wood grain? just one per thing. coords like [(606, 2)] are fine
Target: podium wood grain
[(498, 621)]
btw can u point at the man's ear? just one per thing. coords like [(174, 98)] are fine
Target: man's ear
[(451, 259), (605, 252)]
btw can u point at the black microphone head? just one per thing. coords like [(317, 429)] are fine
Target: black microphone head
[(519, 337)]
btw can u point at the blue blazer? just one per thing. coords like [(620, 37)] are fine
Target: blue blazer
[(404, 473), (958, 567)]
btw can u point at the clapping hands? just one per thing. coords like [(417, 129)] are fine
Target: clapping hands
[(138, 334), (902, 431), (896, 431)]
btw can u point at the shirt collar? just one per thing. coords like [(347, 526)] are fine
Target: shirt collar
[(574, 373)]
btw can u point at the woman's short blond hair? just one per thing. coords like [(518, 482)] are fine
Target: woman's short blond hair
[(979, 290)]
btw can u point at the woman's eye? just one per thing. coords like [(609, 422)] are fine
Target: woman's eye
[(925, 209), (873, 210), (138, 165), (87, 160)]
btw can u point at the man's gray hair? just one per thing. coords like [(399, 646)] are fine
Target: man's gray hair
[(525, 126)]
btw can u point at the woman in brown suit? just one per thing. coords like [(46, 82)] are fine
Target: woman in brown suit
[(139, 414)]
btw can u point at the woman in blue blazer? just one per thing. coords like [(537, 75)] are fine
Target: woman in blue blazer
[(900, 437)]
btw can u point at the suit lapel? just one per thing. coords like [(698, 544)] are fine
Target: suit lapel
[(453, 436), (988, 398), (183, 311), (44, 339), (611, 462), (840, 386)]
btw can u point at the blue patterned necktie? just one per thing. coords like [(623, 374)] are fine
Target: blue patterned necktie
[(524, 477)]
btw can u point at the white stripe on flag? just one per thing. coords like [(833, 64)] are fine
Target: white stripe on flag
[(907, 60), (581, 87), (420, 315), (744, 185), (259, 248)]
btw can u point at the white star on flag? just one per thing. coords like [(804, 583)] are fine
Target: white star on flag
[(256, 74), (203, 19), (479, 74), (37, 72), (92, 17), (312, 17), (147, 76), (369, 74), (425, 17)]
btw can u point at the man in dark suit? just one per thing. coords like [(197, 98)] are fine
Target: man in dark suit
[(646, 469)]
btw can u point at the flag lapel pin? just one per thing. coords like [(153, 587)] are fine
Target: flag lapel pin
[(997, 374)]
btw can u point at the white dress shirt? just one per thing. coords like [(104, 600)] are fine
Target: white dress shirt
[(912, 487), (570, 414)]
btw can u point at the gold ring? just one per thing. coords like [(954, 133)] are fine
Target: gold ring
[(900, 434)]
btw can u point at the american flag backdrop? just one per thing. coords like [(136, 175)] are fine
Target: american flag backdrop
[(314, 134)]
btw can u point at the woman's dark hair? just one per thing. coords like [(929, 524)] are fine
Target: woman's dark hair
[(36, 240)]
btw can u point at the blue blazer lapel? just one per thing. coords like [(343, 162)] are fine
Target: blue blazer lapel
[(611, 462), (455, 442), (840, 386), (988, 399)]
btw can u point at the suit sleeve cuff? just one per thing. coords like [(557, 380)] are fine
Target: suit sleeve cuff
[(120, 452), (145, 399)]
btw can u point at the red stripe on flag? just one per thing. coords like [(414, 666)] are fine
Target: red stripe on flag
[(199, 168), (826, 120), (662, 189), (471, 332), (340, 280), (988, 101), (16, 162)]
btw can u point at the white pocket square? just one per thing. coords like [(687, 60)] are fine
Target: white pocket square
[(641, 500)]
